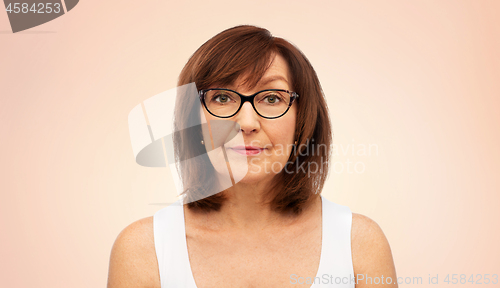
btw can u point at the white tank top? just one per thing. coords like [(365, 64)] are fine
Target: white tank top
[(335, 266)]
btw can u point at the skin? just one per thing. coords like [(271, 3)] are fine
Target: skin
[(275, 136), (251, 245)]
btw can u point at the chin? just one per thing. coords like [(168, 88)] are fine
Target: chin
[(253, 177)]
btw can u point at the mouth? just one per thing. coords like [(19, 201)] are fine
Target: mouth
[(247, 150)]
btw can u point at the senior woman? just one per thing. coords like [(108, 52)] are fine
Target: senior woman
[(272, 227)]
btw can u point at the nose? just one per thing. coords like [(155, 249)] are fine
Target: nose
[(248, 119)]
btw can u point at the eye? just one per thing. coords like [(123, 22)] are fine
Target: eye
[(221, 98), (272, 98)]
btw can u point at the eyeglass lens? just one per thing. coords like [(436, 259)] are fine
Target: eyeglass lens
[(225, 103)]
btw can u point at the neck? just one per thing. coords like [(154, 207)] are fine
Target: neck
[(246, 208)]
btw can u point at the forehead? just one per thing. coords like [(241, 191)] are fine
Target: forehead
[(277, 72)]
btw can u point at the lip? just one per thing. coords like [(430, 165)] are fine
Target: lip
[(247, 150)]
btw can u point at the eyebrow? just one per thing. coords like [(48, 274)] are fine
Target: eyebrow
[(264, 81)]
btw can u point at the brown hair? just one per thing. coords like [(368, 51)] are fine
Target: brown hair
[(249, 50)]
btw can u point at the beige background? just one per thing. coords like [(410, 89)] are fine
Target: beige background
[(418, 79)]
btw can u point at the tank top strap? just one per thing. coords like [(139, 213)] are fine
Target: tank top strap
[(171, 249), (336, 259)]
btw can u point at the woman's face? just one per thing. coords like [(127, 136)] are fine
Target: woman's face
[(263, 144)]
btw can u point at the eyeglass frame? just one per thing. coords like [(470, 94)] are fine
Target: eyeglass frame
[(244, 98)]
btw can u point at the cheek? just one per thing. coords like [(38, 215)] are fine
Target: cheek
[(288, 125), (283, 133), (204, 115)]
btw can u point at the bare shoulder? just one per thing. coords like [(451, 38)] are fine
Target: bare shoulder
[(133, 257), (371, 253)]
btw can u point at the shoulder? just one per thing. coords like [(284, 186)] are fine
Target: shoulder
[(371, 253), (133, 260), (363, 227)]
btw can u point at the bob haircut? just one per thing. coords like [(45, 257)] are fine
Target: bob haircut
[(249, 50)]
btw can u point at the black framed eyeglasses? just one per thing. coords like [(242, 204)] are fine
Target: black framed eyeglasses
[(269, 103)]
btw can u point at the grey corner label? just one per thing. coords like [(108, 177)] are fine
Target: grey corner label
[(26, 14)]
